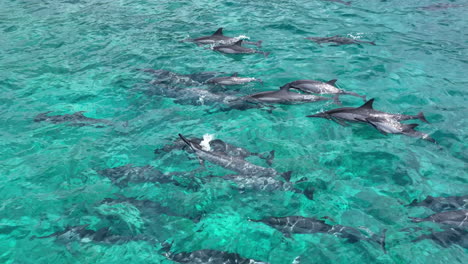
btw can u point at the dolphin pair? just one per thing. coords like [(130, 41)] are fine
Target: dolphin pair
[(75, 119), (337, 40), (386, 123), (218, 38), (305, 225), (317, 87)]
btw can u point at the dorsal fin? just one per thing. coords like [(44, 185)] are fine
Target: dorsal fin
[(218, 32), (407, 127), (368, 104), (332, 82), (285, 87), (235, 74), (191, 144), (287, 176), (79, 113), (238, 43)]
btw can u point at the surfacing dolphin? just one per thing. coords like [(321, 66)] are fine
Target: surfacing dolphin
[(337, 40), (317, 87), (233, 163), (392, 126), (237, 48), (306, 225), (75, 119), (234, 79), (458, 218), (219, 145), (440, 204), (360, 114), (448, 237), (284, 96), (218, 38)]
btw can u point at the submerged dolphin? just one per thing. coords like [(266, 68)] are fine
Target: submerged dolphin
[(458, 218), (317, 87), (168, 77), (284, 96), (268, 184), (448, 237), (232, 80), (338, 40), (75, 119), (305, 225), (236, 48), (360, 114), (233, 163), (441, 6), (391, 126), (218, 38), (339, 1), (218, 145), (84, 235), (440, 204)]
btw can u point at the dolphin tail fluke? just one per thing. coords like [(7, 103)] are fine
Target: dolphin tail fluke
[(421, 117), (336, 100), (381, 240), (309, 192), (416, 219), (258, 43), (270, 157), (266, 54), (260, 81), (297, 260), (372, 43), (357, 95), (287, 176)]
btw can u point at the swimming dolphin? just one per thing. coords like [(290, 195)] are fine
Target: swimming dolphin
[(84, 235), (219, 145), (339, 1), (237, 48), (150, 208), (441, 6), (168, 77), (448, 237), (360, 114), (268, 184), (218, 38), (75, 119), (284, 96), (440, 204), (232, 80), (233, 163), (391, 126), (317, 87), (458, 218), (338, 40), (305, 225)]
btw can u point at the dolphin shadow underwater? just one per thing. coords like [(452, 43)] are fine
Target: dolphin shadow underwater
[(337, 40), (76, 119)]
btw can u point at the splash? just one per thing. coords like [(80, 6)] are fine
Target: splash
[(205, 144)]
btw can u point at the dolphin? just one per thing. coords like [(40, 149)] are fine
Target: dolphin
[(339, 1), (149, 207), (305, 225), (84, 235), (284, 96), (75, 119), (218, 145), (458, 218), (237, 48), (233, 163), (268, 184), (168, 77), (441, 204), (391, 126), (448, 237), (338, 40), (218, 38), (317, 87), (234, 79), (440, 6), (365, 111)]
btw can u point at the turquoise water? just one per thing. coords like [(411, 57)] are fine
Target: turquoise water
[(82, 55)]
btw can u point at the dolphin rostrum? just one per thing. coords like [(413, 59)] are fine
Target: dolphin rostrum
[(232, 80), (317, 87), (218, 38), (458, 218), (440, 204), (338, 40), (237, 48)]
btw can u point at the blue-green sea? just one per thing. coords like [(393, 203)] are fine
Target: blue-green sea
[(67, 56)]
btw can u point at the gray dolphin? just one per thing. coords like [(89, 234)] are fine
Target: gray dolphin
[(268, 184), (338, 40), (237, 48), (360, 114), (219, 145), (440, 204), (441, 6), (168, 77), (75, 119), (458, 218), (391, 126), (317, 87), (232, 163), (284, 96), (339, 1), (305, 225), (218, 38), (234, 79), (448, 237), (84, 235)]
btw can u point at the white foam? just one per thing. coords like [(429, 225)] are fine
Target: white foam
[(242, 37), (205, 144)]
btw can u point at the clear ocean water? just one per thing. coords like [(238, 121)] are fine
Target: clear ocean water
[(82, 55)]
